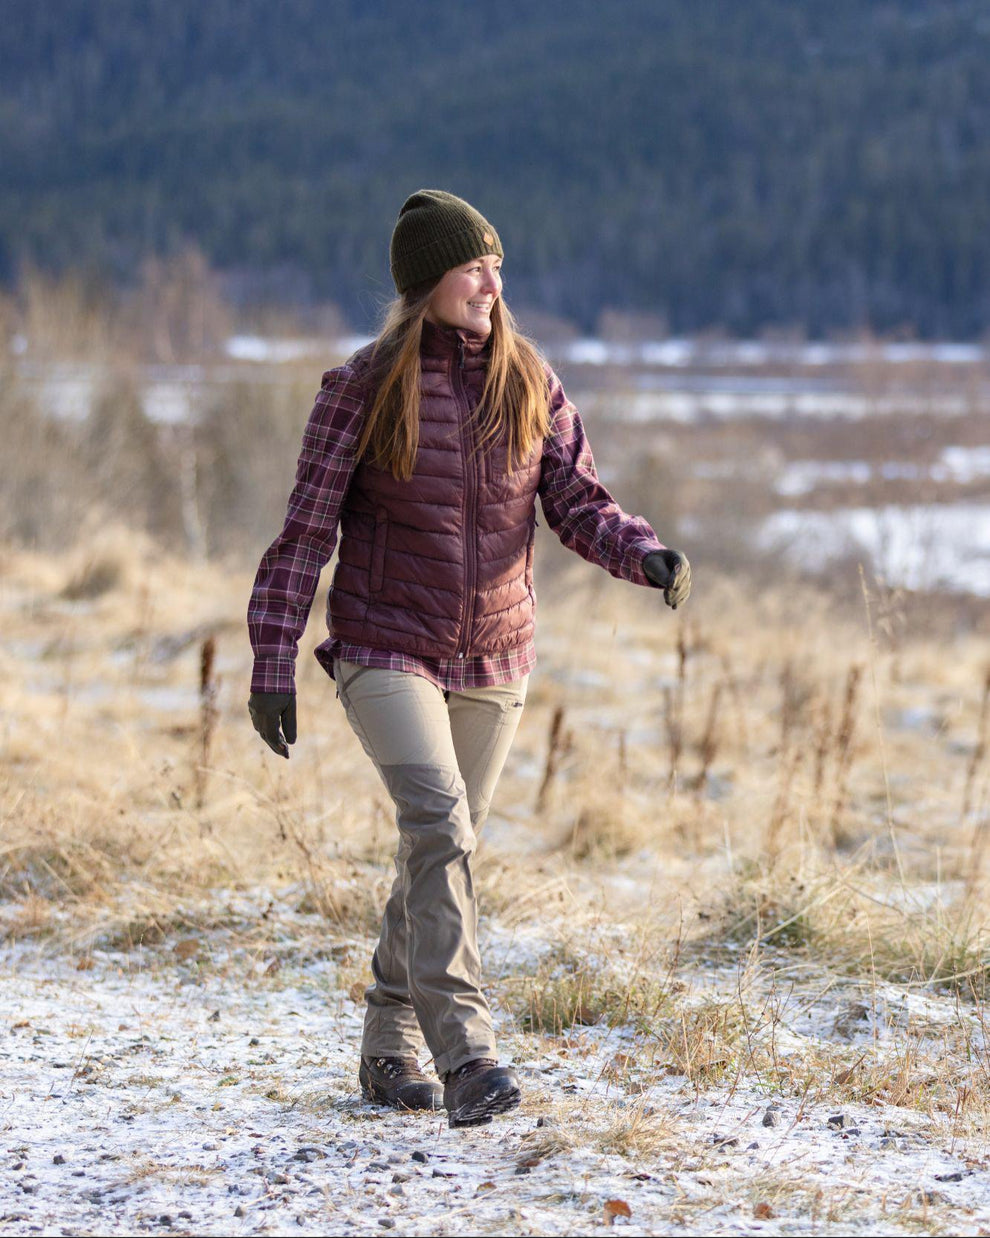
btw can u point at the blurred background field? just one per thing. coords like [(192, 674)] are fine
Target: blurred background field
[(818, 712)]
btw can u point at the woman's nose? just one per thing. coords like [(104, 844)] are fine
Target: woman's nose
[(492, 282)]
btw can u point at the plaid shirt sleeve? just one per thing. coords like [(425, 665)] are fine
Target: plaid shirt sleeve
[(289, 573), (578, 507)]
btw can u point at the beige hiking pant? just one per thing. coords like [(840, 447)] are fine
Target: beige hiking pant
[(439, 756)]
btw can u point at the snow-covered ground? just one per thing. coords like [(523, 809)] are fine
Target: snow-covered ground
[(913, 546), (205, 1088)]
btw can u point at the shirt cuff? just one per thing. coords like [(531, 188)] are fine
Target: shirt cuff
[(274, 675), (633, 566)]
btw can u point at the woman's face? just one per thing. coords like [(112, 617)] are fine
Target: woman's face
[(465, 295)]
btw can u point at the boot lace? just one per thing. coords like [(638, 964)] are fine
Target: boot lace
[(472, 1067), (398, 1067)]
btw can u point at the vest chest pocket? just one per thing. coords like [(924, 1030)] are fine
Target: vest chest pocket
[(496, 458), (496, 466), (378, 550)]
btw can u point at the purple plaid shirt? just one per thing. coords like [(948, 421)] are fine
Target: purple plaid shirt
[(576, 505)]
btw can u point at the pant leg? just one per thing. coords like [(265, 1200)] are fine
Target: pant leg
[(483, 724), (403, 725)]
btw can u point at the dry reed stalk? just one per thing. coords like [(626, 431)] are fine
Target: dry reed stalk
[(708, 747), (879, 725), (556, 748), (188, 474), (790, 705), (209, 714), (673, 701), (843, 746), (980, 751), (892, 623), (732, 683), (789, 766), (823, 743), (977, 849)]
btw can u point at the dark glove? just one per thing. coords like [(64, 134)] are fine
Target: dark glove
[(670, 571), (272, 713)]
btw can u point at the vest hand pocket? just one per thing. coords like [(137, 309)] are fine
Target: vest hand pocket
[(378, 550)]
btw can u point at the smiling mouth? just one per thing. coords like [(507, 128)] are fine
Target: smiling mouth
[(475, 305)]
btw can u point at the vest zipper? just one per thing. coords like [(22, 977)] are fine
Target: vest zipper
[(470, 506)]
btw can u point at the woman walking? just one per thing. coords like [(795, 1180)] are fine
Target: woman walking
[(426, 451)]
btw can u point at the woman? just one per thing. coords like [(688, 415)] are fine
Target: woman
[(428, 449)]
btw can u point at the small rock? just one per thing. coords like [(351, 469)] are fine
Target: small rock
[(545, 1122), (422, 1157), (281, 1179), (239, 1210), (378, 1167), (400, 1177), (58, 1159), (752, 1147), (165, 1219), (396, 1190), (308, 1154), (837, 1122), (214, 1017), (772, 1116), (386, 1223), (725, 1141), (523, 1169), (956, 1176), (254, 1041)]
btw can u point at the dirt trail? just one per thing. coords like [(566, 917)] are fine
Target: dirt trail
[(217, 1095)]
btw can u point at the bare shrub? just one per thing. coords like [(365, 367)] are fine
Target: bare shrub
[(246, 443)]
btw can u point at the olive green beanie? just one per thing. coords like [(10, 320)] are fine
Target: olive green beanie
[(434, 232)]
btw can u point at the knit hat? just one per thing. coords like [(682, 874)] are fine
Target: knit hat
[(434, 232)]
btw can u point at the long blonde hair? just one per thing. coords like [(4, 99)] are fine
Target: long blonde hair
[(514, 402)]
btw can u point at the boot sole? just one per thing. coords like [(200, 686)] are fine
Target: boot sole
[(481, 1112)]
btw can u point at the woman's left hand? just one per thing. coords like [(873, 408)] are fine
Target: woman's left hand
[(670, 571)]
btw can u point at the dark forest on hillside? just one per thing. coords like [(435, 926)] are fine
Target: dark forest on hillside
[(823, 167)]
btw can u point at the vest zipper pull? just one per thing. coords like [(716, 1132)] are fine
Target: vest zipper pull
[(460, 353)]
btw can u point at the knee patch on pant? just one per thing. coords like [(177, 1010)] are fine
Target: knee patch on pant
[(431, 803)]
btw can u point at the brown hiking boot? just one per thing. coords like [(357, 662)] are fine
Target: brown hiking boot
[(479, 1089), (399, 1082)]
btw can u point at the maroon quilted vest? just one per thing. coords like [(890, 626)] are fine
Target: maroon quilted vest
[(441, 565)]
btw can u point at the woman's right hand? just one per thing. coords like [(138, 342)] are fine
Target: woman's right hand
[(274, 713)]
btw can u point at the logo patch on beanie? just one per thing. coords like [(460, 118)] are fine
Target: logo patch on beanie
[(488, 238)]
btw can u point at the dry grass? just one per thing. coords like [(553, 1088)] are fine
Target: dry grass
[(810, 786)]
